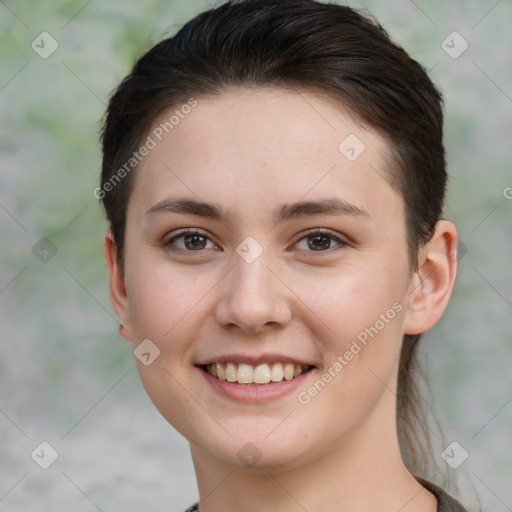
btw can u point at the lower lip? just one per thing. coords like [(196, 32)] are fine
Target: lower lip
[(255, 393)]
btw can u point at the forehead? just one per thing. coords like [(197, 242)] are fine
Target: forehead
[(253, 149)]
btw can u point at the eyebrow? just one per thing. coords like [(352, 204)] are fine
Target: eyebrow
[(287, 211)]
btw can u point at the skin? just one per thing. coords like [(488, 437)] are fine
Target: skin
[(249, 152)]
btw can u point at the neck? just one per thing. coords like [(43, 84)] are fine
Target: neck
[(362, 471)]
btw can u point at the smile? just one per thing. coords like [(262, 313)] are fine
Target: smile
[(242, 373)]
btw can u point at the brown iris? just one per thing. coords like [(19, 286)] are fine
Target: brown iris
[(318, 242)]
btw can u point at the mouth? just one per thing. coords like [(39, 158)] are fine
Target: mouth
[(261, 374)]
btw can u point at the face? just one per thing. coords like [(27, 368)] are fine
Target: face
[(261, 231)]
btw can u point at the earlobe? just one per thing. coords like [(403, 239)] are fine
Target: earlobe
[(432, 283), (118, 293)]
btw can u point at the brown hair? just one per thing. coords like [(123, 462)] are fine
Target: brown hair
[(299, 45)]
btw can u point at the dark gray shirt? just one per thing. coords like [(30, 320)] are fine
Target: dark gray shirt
[(445, 503)]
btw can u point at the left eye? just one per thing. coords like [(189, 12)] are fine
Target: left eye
[(320, 241)]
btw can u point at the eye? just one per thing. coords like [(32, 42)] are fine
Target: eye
[(320, 240), (191, 241)]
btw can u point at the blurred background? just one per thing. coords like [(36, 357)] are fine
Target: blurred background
[(67, 378)]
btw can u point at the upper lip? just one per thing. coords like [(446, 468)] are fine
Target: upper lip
[(255, 361)]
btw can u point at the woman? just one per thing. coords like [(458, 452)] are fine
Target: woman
[(274, 178)]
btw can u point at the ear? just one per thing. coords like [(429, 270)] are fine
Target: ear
[(118, 293), (432, 282)]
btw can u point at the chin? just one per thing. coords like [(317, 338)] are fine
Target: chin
[(255, 446)]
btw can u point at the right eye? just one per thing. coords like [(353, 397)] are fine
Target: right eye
[(190, 240)]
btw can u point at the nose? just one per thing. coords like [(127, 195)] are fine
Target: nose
[(253, 298)]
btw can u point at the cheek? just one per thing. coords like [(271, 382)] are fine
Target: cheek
[(166, 307), (360, 361), (354, 299), (360, 332), (163, 300)]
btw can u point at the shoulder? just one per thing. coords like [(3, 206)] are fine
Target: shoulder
[(445, 503)]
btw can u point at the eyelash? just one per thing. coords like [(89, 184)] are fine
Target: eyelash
[(316, 231)]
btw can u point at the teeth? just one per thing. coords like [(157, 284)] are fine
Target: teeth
[(288, 371), (262, 374), (231, 373), (245, 373), (221, 373), (276, 374)]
